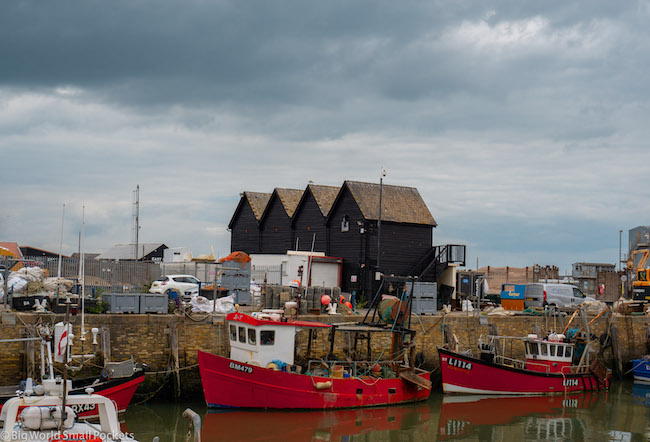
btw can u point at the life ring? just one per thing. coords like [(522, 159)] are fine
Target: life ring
[(76, 438)]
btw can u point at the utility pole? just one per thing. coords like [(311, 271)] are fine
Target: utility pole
[(381, 188), (136, 213), (620, 240)]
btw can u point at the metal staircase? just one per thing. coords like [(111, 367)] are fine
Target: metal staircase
[(437, 260)]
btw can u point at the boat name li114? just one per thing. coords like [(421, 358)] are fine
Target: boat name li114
[(460, 364)]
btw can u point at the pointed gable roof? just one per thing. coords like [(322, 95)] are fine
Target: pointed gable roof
[(324, 196), (257, 202), (289, 199), (399, 204)]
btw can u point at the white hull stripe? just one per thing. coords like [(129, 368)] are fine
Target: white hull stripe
[(450, 388)]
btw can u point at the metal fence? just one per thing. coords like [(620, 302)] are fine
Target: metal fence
[(113, 276), (206, 272), (271, 274)]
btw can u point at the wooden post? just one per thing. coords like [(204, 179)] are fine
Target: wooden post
[(106, 343), (173, 343), (30, 364), (616, 349)]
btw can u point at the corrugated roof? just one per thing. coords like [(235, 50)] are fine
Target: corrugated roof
[(399, 204), (258, 202), (125, 251), (289, 199), (324, 196)]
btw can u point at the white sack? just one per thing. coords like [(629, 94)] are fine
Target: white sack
[(222, 305), (16, 283), (61, 284), (30, 274)]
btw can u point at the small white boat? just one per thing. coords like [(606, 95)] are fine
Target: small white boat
[(47, 415)]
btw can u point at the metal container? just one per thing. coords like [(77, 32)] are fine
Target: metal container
[(123, 302), (154, 303)]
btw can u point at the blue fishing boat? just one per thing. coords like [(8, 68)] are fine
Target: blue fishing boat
[(641, 370)]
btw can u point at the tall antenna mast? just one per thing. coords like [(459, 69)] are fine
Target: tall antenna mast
[(136, 221), (61, 242)]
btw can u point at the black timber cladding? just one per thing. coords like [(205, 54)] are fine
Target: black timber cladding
[(276, 230), (345, 226), (244, 226), (309, 219), (406, 231)]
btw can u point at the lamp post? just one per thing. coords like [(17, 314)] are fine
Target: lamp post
[(620, 240)]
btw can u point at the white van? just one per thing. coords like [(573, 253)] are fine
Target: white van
[(539, 294)]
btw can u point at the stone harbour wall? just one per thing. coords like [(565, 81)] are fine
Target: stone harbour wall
[(167, 342)]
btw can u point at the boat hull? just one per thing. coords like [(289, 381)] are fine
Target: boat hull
[(119, 390), (641, 370), (468, 375), (231, 384)]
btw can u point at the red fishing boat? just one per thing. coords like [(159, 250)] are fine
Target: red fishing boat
[(547, 369), (120, 390), (262, 372)]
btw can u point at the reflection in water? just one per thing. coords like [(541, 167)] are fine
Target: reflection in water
[(543, 416), (622, 414), (301, 426)]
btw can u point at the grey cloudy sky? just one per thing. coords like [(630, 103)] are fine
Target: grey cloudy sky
[(523, 124)]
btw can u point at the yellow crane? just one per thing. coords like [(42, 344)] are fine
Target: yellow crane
[(641, 283)]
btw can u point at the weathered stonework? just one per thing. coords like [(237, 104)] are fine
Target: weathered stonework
[(147, 339)]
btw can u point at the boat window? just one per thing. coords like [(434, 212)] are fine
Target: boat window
[(242, 334), (252, 336), (552, 350), (568, 352), (267, 337), (560, 351), (533, 348), (233, 333), (544, 349)]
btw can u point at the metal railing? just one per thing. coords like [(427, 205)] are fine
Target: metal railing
[(116, 276)]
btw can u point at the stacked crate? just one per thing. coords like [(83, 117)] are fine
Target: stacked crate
[(237, 280), (425, 298)]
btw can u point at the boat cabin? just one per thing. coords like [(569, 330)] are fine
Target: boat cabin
[(264, 339), (549, 355)]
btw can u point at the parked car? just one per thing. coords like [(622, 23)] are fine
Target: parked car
[(560, 295), (181, 283)]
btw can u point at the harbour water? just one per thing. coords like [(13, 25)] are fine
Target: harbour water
[(622, 414)]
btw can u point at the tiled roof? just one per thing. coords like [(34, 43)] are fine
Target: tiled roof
[(289, 199), (258, 202), (398, 203), (324, 196)]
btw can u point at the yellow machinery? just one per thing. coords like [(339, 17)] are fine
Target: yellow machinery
[(641, 283)]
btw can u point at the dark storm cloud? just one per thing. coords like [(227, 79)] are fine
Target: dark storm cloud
[(505, 112), (275, 52)]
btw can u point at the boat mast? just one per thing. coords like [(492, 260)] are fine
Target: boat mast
[(82, 271)]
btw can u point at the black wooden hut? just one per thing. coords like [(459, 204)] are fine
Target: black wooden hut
[(245, 223), (310, 232), (275, 224), (352, 224)]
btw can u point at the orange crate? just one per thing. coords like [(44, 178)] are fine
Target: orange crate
[(512, 304)]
